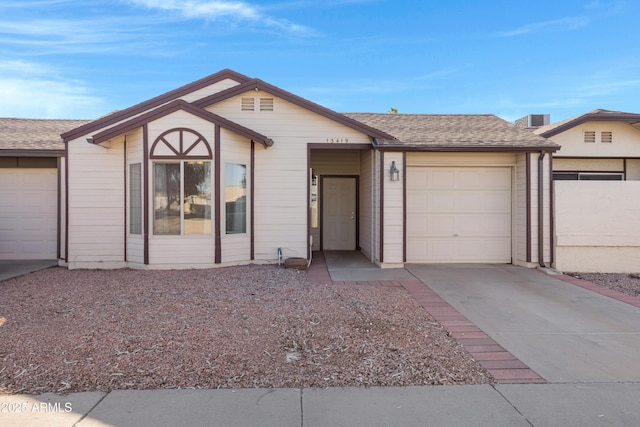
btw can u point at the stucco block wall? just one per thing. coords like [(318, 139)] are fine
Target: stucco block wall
[(597, 227)]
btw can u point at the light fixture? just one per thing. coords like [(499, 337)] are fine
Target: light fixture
[(394, 172)]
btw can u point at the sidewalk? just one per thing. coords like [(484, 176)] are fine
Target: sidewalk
[(509, 405)]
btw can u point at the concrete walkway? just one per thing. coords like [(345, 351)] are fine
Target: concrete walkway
[(563, 332), (10, 269), (512, 405)]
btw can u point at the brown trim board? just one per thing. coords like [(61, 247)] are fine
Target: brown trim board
[(145, 180), (381, 225), (528, 204), (218, 194), (252, 199)]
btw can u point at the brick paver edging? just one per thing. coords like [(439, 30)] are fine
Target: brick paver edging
[(505, 367), (599, 289)]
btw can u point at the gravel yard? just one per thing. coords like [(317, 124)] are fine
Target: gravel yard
[(628, 284), (249, 326)]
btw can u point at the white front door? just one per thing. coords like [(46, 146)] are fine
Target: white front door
[(339, 214)]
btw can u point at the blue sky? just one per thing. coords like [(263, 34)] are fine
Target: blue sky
[(85, 58)]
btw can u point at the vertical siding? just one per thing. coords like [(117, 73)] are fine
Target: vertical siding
[(235, 149), (393, 208), (96, 203), (281, 173)]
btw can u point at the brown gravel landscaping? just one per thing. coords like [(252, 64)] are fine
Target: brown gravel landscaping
[(627, 283), (250, 326)]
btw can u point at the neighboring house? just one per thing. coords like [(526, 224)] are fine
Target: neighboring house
[(597, 191), (30, 156), (231, 170)]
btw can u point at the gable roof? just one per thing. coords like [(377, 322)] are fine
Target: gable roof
[(174, 106), (134, 110), (598, 115), (19, 137), (375, 133), (452, 132)]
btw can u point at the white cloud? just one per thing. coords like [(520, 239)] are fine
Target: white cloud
[(32, 90), (557, 25), (215, 10)]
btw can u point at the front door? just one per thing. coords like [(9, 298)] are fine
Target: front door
[(339, 213)]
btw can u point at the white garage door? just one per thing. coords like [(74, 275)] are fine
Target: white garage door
[(459, 214), (28, 213)]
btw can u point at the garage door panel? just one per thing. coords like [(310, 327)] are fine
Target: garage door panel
[(28, 213), (459, 214)]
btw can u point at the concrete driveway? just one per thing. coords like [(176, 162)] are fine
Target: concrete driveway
[(10, 269), (562, 332)]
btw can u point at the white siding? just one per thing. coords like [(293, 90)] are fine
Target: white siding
[(520, 210), (235, 149), (625, 141), (588, 165), (96, 204), (633, 170), (393, 203), (282, 170)]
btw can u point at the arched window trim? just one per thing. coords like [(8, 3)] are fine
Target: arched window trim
[(182, 153)]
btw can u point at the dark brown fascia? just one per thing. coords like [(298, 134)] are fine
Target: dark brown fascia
[(469, 148), (174, 106), (134, 110), (31, 153), (630, 118), (294, 99)]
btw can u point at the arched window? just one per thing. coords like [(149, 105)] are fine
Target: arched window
[(182, 183)]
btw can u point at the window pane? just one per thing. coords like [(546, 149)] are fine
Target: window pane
[(235, 198), (135, 199), (166, 198), (197, 198)]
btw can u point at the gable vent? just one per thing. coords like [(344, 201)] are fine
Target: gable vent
[(248, 104), (589, 136), (606, 137), (266, 104)]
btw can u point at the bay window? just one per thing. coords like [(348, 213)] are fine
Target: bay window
[(182, 198)]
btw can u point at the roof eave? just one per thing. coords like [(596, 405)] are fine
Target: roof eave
[(152, 103), (469, 148), (171, 107), (630, 118), (257, 84)]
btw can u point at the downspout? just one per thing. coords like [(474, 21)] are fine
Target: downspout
[(541, 209)]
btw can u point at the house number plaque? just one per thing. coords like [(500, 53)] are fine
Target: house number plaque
[(338, 140)]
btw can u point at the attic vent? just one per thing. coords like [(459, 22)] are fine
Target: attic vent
[(248, 104), (589, 136), (266, 104), (606, 137)]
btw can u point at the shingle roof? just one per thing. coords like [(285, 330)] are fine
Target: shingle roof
[(34, 134), (456, 131), (591, 116)]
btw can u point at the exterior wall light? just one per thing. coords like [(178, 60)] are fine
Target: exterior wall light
[(394, 172)]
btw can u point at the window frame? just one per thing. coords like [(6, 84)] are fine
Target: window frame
[(243, 183), (182, 163), (135, 204)]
